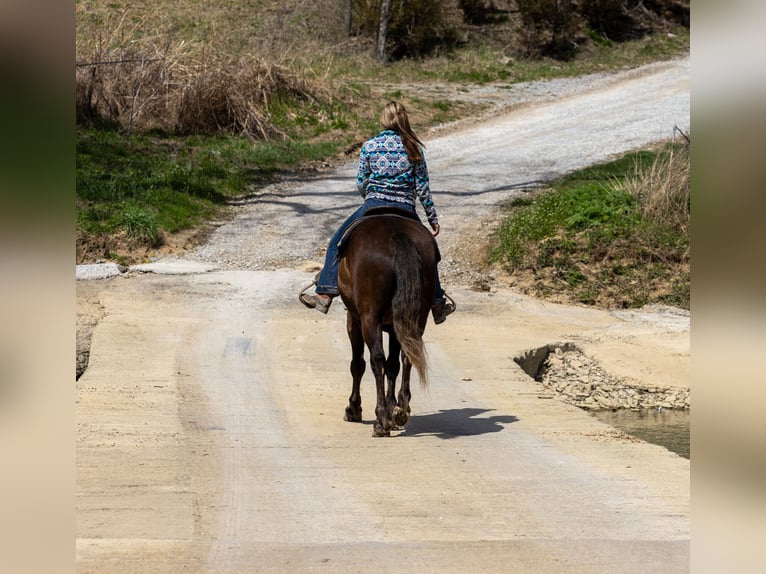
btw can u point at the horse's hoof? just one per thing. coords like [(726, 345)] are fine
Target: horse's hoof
[(353, 416), (400, 417), (378, 430)]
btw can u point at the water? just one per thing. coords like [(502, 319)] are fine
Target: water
[(668, 428)]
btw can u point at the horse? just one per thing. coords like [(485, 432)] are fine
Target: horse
[(386, 279)]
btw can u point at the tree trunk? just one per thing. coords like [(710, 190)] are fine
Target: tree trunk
[(385, 6), (347, 17)]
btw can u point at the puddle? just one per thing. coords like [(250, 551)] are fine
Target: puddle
[(667, 428)]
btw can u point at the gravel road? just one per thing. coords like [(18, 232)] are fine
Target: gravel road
[(209, 421)]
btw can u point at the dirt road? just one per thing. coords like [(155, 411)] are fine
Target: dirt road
[(209, 421)]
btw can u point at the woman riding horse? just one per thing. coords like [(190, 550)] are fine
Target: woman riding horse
[(392, 172)]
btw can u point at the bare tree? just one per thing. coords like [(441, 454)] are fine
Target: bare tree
[(347, 17), (385, 7)]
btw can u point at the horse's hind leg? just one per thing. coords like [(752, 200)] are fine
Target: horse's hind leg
[(354, 408), (373, 336), (402, 408)]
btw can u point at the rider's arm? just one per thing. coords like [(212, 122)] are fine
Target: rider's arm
[(363, 171), (423, 190)]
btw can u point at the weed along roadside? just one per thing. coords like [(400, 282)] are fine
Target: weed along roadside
[(615, 235)]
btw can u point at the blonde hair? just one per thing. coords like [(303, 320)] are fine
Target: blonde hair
[(394, 117)]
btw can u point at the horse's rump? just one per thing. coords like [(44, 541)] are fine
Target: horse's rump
[(382, 251), (396, 212)]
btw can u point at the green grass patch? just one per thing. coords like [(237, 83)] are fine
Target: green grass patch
[(147, 185), (586, 239)]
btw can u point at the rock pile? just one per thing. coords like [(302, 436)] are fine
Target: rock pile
[(569, 374)]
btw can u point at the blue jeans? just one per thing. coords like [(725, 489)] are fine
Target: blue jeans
[(327, 284)]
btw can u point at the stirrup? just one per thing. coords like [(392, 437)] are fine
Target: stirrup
[(441, 311), (451, 302), (302, 295)]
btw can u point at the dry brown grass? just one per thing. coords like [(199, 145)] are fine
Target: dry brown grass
[(137, 71), (146, 88), (235, 98), (662, 189)]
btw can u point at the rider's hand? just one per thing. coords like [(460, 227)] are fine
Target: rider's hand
[(435, 227)]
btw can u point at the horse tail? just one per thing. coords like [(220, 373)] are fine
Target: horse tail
[(407, 301)]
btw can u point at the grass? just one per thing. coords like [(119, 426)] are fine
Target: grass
[(596, 237), (145, 186)]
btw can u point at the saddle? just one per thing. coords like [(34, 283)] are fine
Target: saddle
[(372, 212), (377, 211)]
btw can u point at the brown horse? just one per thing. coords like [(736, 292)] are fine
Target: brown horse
[(386, 279)]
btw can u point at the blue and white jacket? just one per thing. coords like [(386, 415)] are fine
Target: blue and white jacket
[(386, 173)]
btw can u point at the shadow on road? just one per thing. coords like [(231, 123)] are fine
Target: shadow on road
[(452, 423)]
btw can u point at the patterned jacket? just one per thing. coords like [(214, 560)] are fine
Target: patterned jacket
[(386, 173)]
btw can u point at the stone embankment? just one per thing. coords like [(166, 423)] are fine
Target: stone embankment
[(566, 372)]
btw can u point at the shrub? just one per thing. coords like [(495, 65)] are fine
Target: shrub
[(548, 27), (482, 11), (138, 91), (607, 17), (235, 99), (416, 27), (139, 82), (127, 86)]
